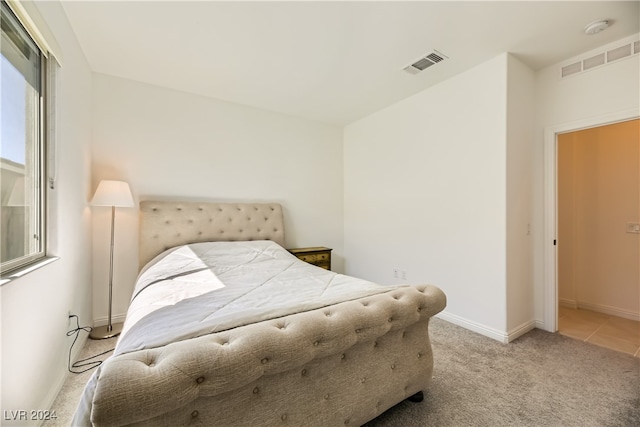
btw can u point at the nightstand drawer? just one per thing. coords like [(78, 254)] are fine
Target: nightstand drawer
[(310, 258), (317, 255)]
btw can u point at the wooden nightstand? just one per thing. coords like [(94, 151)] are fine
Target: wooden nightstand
[(317, 255)]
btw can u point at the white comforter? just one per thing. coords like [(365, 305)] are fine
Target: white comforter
[(202, 288)]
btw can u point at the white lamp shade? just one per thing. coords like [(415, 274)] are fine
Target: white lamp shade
[(112, 193)]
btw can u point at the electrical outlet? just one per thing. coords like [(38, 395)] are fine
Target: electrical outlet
[(399, 273), (633, 227)]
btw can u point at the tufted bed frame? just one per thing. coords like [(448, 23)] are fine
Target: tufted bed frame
[(339, 365)]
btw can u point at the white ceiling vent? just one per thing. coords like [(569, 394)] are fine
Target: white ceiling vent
[(594, 61), (625, 51), (619, 53), (572, 69), (425, 62)]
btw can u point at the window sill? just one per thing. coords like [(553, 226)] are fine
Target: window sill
[(16, 274)]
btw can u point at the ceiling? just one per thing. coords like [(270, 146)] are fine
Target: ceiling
[(333, 62)]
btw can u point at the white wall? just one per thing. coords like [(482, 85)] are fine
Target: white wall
[(35, 307), (416, 203), (171, 144), (425, 192), (520, 121), (586, 99)]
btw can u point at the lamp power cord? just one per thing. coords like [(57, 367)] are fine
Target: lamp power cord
[(82, 365)]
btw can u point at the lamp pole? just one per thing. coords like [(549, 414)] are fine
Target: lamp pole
[(113, 219), (109, 330), (113, 194)]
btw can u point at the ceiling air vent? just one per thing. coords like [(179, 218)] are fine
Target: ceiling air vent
[(425, 62), (572, 69), (594, 61), (625, 51), (619, 53)]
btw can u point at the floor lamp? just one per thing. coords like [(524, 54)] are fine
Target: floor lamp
[(114, 194)]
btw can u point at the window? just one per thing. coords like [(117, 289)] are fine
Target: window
[(22, 146)]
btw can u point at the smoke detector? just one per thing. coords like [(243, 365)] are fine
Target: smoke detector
[(596, 26)]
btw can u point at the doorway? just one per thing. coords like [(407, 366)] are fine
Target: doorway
[(598, 251), (549, 288)]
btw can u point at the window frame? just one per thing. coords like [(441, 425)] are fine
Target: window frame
[(40, 162)]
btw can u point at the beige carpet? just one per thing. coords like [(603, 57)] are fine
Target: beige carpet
[(67, 400), (541, 379)]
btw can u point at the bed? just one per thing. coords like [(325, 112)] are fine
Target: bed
[(227, 328)]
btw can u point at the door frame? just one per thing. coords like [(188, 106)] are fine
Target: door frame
[(550, 291)]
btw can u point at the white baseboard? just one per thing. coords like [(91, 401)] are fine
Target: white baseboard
[(521, 330), (473, 326), (611, 311), (539, 324), (503, 337), (104, 320), (78, 346), (567, 303), (53, 394), (55, 390)]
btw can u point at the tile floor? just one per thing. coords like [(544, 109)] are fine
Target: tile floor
[(601, 329)]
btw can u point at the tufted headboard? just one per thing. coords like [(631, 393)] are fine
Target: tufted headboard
[(164, 224)]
